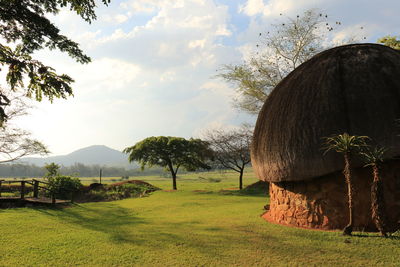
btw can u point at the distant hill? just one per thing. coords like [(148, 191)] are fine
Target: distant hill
[(97, 154)]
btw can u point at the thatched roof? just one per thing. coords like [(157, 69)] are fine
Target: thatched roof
[(352, 88)]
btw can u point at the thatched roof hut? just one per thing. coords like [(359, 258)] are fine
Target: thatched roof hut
[(352, 88)]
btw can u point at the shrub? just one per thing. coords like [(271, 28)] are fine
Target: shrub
[(129, 190), (63, 186), (117, 191)]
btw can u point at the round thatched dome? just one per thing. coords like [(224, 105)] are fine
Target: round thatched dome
[(352, 88)]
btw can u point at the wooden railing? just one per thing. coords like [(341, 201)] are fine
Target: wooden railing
[(36, 186)]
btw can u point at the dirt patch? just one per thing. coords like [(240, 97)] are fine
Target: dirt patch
[(230, 189)]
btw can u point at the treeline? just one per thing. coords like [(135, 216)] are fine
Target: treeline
[(77, 170)]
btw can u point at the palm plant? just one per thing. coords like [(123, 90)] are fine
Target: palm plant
[(374, 158), (346, 144)]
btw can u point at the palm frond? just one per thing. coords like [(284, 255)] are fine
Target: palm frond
[(373, 156), (344, 143)]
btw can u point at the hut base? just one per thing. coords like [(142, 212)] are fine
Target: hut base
[(321, 203)]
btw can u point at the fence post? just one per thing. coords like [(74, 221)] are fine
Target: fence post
[(53, 198), (22, 189), (0, 187), (36, 189)]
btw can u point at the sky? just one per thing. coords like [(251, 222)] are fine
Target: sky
[(154, 64)]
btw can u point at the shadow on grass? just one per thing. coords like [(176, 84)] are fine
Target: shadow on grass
[(232, 192), (394, 236), (110, 219), (243, 192)]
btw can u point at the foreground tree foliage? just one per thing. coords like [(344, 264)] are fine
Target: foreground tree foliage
[(347, 145), (26, 28), (171, 153), (285, 46), (232, 148), (374, 158)]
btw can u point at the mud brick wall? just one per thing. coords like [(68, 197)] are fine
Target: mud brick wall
[(321, 202)]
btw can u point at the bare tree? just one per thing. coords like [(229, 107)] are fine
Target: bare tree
[(14, 141), (284, 46), (231, 148)]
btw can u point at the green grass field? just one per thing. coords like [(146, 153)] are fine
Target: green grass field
[(198, 225)]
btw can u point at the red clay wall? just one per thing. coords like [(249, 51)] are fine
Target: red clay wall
[(322, 202)]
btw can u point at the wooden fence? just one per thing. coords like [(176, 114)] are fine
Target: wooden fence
[(37, 184)]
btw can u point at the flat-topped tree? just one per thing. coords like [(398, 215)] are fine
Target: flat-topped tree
[(171, 153), (25, 27)]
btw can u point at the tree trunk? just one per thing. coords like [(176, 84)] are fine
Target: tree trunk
[(347, 174), (377, 202), (241, 179), (173, 174), (174, 181)]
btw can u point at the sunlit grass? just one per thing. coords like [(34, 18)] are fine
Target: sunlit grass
[(198, 225)]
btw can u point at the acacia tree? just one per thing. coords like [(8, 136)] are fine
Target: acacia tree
[(231, 148), (285, 46), (25, 27), (347, 145), (171, 153), (374, 158)]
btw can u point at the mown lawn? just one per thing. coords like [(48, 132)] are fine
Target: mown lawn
[(207, 227)]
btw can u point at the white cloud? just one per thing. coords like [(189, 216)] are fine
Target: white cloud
[(116, 19), (110, 73), (168, 76), (197, 43), (276, 7), (222, 30), (252, 7)]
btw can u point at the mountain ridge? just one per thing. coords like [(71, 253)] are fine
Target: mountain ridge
[(91, 155)]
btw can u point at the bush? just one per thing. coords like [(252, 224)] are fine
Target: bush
[(63, 186), (126, 190), (117, 191)]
